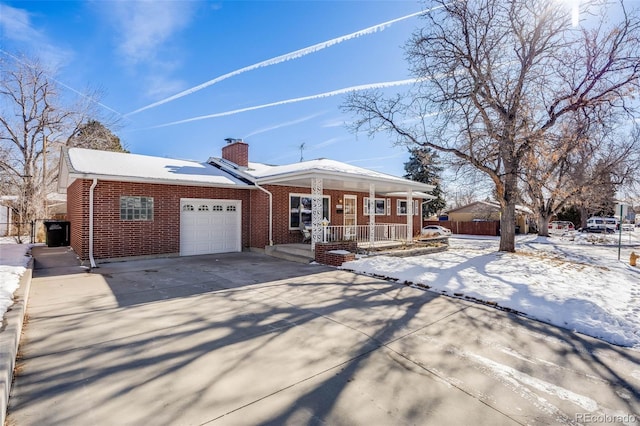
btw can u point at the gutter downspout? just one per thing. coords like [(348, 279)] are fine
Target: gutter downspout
[(270, 211), (91, 259)]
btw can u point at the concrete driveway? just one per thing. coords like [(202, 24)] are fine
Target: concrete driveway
[(242, 338)]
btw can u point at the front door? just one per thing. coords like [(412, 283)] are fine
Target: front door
[(350, 217)]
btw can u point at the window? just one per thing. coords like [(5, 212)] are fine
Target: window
[(300, 210), (138, 208), (401, 207), (217, 208), (231, 208), (380, 206), (186, 208), (203, 208)]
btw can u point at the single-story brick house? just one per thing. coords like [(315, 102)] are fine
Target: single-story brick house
[(127, 205)]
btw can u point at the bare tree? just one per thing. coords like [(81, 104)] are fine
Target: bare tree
[(495, 78), (33, 122), (582, 166)]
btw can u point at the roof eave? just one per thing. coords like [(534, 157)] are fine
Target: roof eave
[(284, 177), (135, 179)]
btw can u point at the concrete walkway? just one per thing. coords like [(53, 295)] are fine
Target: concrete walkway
[(247, 339)]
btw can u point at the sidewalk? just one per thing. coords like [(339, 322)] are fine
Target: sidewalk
[(45, 261)]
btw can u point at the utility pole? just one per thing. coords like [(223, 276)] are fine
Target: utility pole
[(44, 173)]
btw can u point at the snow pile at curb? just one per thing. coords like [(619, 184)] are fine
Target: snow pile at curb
[(13, 262)]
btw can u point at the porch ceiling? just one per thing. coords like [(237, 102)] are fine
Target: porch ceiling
[(356, 184)]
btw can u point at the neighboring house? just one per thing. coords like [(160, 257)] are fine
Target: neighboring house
[(128, 205), (6, 218), (485, 211), (57, 206)]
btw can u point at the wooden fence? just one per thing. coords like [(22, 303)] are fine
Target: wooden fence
[(470, 228)]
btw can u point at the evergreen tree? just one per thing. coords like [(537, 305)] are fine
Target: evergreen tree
[(423, 166), (95, 135)]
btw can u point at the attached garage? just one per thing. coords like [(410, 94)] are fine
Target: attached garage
[(210, 226)]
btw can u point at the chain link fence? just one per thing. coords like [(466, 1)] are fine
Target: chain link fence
[(20, 232)]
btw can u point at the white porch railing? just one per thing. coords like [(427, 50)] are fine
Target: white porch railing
[(383, 232)]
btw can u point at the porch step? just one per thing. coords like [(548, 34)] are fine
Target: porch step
[(300, 253)]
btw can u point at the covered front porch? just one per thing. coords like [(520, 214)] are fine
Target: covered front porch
[(372, 210), (366, 236)]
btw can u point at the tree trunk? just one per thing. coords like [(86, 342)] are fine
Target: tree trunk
[(543, 224), (508, 228), (508, 216)]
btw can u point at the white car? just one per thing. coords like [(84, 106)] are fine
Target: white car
[(628, 227), (431, 230)]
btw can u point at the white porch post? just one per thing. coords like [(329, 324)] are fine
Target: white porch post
[(372, 214), (410, 213), (316, 211)]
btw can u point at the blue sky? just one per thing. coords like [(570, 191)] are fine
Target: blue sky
[(141, 53)]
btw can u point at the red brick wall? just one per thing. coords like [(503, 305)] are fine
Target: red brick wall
[(237, 152), (323, 255), (115, 238), (259, 214), (78, 216)]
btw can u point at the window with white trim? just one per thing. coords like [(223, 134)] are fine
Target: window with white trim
[(300, 210), (401, 207), (136, 208), (380, 206)]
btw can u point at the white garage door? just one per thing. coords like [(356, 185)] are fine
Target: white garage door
[(209, 226)]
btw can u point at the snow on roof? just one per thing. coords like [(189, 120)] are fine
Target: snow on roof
[(109, 164), (262, 171)]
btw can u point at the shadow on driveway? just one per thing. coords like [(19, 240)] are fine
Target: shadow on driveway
[(248, 339)]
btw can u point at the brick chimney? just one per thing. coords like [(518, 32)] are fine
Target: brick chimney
[(236, 151)]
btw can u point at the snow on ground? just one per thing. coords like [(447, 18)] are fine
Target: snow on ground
[(573, 281), (13, 262)]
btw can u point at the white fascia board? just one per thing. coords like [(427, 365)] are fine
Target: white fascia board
[(414, 194), (308, 174), (89, 176), (63, 172)]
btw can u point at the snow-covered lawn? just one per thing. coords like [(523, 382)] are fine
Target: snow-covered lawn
[(568, 281), (13, 262)]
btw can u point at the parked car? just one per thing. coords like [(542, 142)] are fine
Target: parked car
[(602, 224), (628, 227), (560, 226), (431, 230)]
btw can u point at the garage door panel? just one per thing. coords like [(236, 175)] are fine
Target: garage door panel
[(210, 226)]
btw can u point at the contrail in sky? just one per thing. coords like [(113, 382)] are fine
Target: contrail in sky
[(294, 100), (15, 58), (278, 126), (282, 58)]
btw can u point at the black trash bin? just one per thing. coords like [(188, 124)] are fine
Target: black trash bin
[(58, 233)]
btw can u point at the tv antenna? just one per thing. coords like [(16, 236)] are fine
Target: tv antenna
[(301, 148)]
